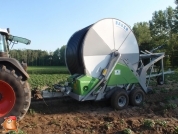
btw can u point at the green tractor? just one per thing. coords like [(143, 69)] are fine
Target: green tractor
[(15, 94)]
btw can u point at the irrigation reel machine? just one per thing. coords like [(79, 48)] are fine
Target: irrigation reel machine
[(104, 62)]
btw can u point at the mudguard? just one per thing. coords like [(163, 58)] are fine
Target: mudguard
[(15, 64)]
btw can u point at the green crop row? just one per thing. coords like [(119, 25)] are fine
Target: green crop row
[(40, 81), (47, 70)]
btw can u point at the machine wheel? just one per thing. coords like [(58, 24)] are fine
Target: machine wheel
[(137, 96), (15, 95), (119, 99), (160, 80)]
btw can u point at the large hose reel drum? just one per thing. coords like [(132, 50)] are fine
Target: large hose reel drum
[(89, 50)]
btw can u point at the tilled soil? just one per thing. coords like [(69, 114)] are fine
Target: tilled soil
[(157, 115), (72, 117)]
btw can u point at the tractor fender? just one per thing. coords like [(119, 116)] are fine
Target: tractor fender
[(15, 64)]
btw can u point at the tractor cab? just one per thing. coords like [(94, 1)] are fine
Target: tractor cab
[(3, 43), (6, 39)]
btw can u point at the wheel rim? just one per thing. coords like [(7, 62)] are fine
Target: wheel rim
[(138, 98), (7, 98), (161, 82), (122, 101)]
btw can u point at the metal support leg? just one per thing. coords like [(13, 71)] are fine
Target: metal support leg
[(162, 66)]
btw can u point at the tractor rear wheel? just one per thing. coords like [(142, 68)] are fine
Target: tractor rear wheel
[(119, 99), (137, 96), (15, 95)]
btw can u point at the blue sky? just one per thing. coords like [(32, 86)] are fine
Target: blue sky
[(49, 24)]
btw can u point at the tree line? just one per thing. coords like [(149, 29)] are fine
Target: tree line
[(40, 57), (161, 30)]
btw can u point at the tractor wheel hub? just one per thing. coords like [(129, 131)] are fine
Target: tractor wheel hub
[(7, 98)]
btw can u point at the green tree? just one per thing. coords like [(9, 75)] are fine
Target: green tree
[(32, 57), (176, 17), (62, 55), (56, 56), (162, 27), (143, 36), (158, 28), (142, 32)]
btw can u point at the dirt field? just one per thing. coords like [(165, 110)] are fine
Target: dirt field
[(88, 117), (66, 116)]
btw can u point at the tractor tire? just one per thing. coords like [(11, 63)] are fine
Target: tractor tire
[(160, 80), (15, 94), (136, 97), (119, 99)]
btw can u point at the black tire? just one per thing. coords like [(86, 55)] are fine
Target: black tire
[(119, 99), (136, 97), (21, 89), (160, 80)]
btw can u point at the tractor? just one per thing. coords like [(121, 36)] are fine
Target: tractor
[(15, 94)]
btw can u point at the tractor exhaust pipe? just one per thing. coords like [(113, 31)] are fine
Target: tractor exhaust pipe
[(8, 30)]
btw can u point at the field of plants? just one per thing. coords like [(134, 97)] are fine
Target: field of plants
[(45, 77), (47, 70)]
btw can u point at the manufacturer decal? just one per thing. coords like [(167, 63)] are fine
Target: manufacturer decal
[(117, 72), (122, 25)]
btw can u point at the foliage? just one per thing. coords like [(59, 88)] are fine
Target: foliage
[(170, 106), (162, 27), (19, 132), (167, 61), (158, 28), (46, 76), (149, 123), (39, 57), (161, 123), (31, 111), (143, 36), (127, 131), (176, 17), (122, 121), (31, 57), (56, 56), (173, 76), (175, 130), (40, 80), (108, 125), (62, 55), (47, 70), (59, 56)]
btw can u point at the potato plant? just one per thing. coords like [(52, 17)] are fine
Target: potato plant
[(38, 81)]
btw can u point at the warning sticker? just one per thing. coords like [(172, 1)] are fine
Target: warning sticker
[(117, 72)]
